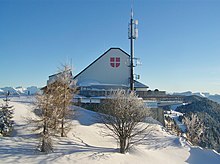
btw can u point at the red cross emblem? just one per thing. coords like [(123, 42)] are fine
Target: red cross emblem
[(115, 61)]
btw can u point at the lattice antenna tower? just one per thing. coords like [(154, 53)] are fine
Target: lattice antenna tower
[(132, 35)]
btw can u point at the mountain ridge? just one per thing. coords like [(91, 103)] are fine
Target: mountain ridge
[(213, 97)]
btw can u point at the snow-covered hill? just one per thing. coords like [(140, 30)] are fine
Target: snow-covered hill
[(19, 90), (84, 144), (215, 98)]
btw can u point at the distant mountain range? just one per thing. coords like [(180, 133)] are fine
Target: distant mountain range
[(215, 97), (33, 90), (19, 90)]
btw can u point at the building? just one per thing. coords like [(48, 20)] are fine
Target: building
[(108, 72)]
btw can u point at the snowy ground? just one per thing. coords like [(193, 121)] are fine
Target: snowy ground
[(175, 116), (85, 145)]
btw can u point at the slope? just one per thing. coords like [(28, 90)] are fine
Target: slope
[(84, 144)]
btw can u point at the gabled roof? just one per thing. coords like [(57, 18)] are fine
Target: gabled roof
[(137, 84), (99, 58)]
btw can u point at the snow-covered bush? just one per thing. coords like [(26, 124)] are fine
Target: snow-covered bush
[(124, 114)]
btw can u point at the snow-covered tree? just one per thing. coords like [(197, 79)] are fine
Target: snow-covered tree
[(124, 114), (195, 128), (6, 115)]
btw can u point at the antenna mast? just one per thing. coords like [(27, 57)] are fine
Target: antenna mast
[(132, 34)]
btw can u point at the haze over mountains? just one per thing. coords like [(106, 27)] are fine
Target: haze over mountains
[(214, 97)]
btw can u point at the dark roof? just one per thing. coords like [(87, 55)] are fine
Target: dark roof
[(59, 73), (56, 74), (99, 58), (138, 84)]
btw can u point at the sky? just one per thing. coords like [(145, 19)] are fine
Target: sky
[(178, 43)]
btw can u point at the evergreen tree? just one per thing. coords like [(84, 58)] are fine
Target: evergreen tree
[(6, 115)]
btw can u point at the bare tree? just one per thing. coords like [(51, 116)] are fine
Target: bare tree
[(195, 128), (53, 108), (43, 122), (55, 100), (124, 114), (64, 96)]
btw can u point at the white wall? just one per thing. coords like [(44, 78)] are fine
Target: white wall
[(103, 72)]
